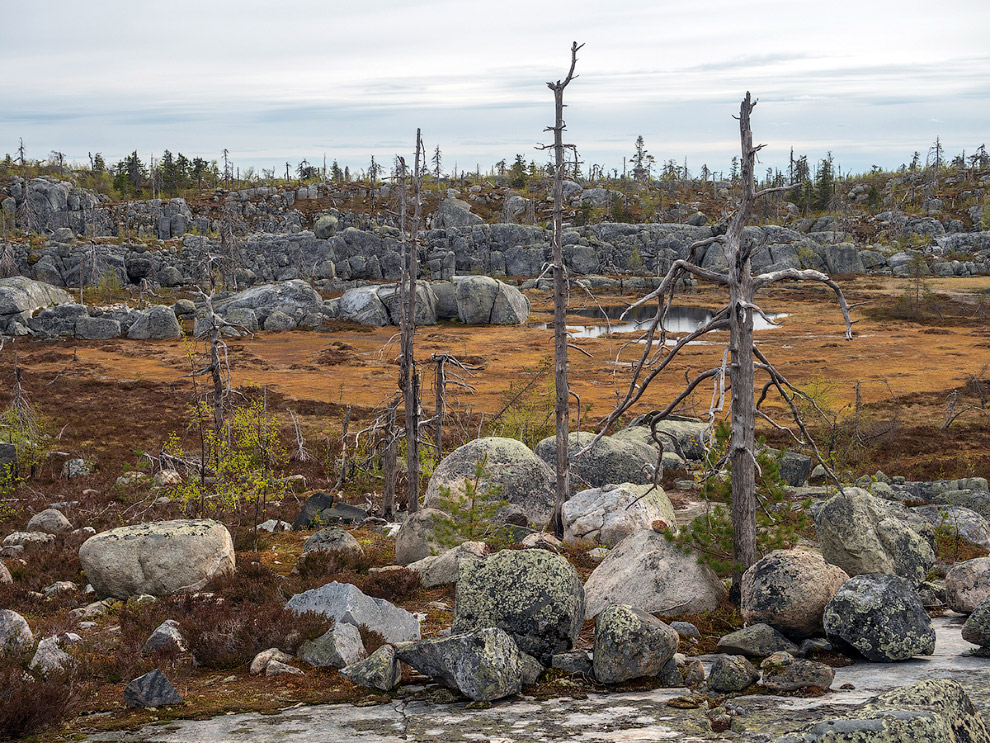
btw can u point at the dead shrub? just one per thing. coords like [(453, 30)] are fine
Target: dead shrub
[(391, 585), (371, 639), (31, 702), (251, 582), (322, 564)]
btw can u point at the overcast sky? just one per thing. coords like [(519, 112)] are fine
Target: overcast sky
[(870, 80)]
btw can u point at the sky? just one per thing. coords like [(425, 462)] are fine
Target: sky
[(872, 81)]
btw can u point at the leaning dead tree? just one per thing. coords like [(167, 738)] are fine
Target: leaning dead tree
[(741, 360), (562, 407)]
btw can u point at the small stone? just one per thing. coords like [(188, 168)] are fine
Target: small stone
[(756, 641), (50, 657), (166, 633), (573, 662), (380, 670), (167, 479), (60, 587), (685, 629), (262, 659), (731, 673), (278, 668), (629, 644), (50, 521), (75, 468), (151, 690)]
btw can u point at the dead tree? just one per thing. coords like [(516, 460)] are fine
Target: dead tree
[(741, 359), (562, 407)]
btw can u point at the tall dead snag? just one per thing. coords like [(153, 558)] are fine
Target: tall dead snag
[(408, 375), (741, 360), (560, 296)]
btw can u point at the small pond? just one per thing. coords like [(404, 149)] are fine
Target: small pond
[(679, 320)]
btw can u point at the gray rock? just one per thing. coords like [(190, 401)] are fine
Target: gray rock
[(25, 538), (262, 659), (453, 212), (344, 602), (279, 668), (881, 617), (15, 634), (575, 662), (415, 540), (59, 587), (97, 328), (21, 297), (967, 524), (325, 226), (629, 644), (685, 436), (444, 569), (155, 323), (755, 641), (294, 298), (49, 657), (782, 673), (646, 571), (685, 629), (511, 306), (731, 673), (274, 525), (380, 670), (5, 575), (610, 514), (863, 535), (151, 690), (788, 590), (278, 321), (967, 585), (532, 669), (641, 434), (483, 665), (977, 627), (309, 514), (157, 558), (533, 595), (51, 521), (339, 646), (426, 303), (75, 468), (609, 462), (924, 712), (167, 633), (363, 306), (524, 479), (335, 541), (475, 299)]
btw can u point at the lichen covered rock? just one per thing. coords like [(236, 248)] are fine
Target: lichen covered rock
[(629, 644)]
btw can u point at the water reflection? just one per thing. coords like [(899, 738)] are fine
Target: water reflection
[(679, 320)]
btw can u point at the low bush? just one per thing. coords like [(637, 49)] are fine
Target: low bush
[(30, 702)]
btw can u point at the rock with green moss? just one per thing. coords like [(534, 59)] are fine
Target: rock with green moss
[(881, 617), (610, 461), (609, 514), (533, 595), (731, 673), (783, 672), (483, 665), (862, 534), (380, 670), (755, 641), (339, 646), (629, 644), (935, 711)]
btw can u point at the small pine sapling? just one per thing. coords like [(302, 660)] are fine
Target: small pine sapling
[(470, 517)]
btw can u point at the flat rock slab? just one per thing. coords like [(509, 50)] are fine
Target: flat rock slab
[(630, 717)]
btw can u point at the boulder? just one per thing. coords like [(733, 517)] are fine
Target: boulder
[(574, 662), (881, 617), (609, 462), (294, 298), (533, 595), (426, 303), (788, 590), (685, 435), (782, 672), (967, 585), (935, 710), (440, 570), (380, 670), (864, 535), (335, 541), (157, 558), (610, 514), (362, 305), (523, 479), (75, 468), (648, 572), (155, 323), (731, 673), (453, 212), (49, 657), (97, 328), (344, 602), (755, 641), (641, 435), (415, 540), (279, 322), (151, 690), (629, 644), (511, 306), (279, 668), (5, 576), (51, 521), (483, 665), (20, 297), (320, 510), (475, 298), (977, 627), (15, 634), (339, 646), (166, 633), (958, 521)]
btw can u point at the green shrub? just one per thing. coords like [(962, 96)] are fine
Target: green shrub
[(470, 517)]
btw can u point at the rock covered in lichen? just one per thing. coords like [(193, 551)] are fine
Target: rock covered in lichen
[(784, 672), (731, 673), (629, 644), (755, 641), (533, 595), (881, 617), (380, 670), (967, 585)]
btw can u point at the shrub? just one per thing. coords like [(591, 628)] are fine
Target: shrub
[(251, 582), (31, 702), (470, 517), (391, 585)]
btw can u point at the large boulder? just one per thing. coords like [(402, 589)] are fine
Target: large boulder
[(629, 644), (511, 306), (482, 300), (977, 627), (155, 323), (610, 514), (157, 558), (426, 303), (788, 589), (344, 602), (50, 521), (647, 571), (958, 522), (453, 212), (15, 634), (294, 298), (881, 617), (609, 462), (483, 665), (642, 435), (335, 541), (935, 710), (20, 297), (967, 585), (440, 570), (362, 305), (152, 689), (416, 539), (731, 673), (533, 595), (380, 670), (863, 535), (685, 436), (522, 478)]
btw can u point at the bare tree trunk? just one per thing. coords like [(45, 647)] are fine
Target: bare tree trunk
[(342, 474), (409, 374), (390, 466), (562, 407), (438, 404)]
